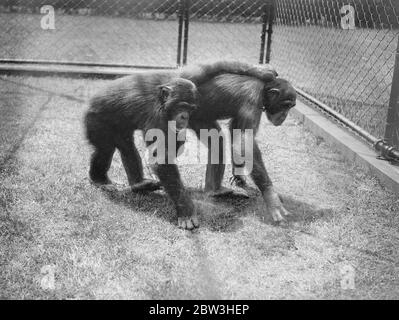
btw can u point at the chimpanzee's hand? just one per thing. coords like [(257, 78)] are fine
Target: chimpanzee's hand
[(267, 72), (271, 68), (274, 205)]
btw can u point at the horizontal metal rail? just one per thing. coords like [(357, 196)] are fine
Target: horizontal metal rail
[(81, 64), (351, 125), (71, 69), (384, 149)]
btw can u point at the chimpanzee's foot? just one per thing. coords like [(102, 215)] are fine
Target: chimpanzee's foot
[(221, 192), (98, 182), (146, 185), (245, 190), (188, 223), (238, 181)]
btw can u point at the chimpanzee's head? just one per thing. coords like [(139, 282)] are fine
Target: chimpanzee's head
[(279, 98), (179, 98)]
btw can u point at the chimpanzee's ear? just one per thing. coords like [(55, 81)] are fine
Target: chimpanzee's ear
[(164, 92), (273, 94)]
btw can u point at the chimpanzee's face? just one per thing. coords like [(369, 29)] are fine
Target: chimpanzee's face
[(279, 101), (181, 115), (179, 99)]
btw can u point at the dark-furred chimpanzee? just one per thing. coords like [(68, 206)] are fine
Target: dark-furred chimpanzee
[(138, 102), (243, 99), (146, 101)]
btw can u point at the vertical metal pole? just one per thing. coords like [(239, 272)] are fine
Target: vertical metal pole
[(186, 24), (271, 15), (263, 34), (392, 125), (180, 32)]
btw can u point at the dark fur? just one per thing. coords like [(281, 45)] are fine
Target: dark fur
[(128, 104)]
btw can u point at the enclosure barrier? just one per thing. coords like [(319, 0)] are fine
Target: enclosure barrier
[(343, 54), (338, 53)]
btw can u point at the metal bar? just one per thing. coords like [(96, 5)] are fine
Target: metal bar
[(180, 32), (392, 125), (365, 135), (70, 71), (186, 28), (263, 35), (271, 15), (79, 64)]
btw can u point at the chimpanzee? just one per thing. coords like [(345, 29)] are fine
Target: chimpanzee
[(133, 103), (129, 104), (243, 99)]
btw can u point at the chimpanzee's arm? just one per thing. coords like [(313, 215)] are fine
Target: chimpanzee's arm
[(263, 182), (202, 73), (259, 174), (170, 179)]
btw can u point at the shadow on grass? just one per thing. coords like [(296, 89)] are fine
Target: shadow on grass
[(218, 214), (305, 213)]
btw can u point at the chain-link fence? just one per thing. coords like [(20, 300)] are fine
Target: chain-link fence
[(225, 30), (341, 52), (92, 31), (132, 32)]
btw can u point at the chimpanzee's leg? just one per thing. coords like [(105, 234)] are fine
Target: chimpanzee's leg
[(133, 166), (214, 171), (237, 179), (100, 164), (101, 137)]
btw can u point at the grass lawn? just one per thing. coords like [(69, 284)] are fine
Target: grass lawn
[(122, 245)]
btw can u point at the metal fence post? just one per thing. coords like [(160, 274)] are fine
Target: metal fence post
[(180, 32), (392, 124), (267, 28), (263, 34), (186, 24), (271, 15)]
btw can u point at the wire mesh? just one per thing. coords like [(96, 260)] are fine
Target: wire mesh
[(341, 52), (223, 29), (139, 32)]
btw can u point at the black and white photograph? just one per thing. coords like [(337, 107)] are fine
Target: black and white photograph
[(216, 152)]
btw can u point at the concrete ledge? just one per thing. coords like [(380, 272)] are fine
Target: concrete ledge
[(352, 148)]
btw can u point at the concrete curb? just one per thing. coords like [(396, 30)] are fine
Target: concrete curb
[(352, 149)]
